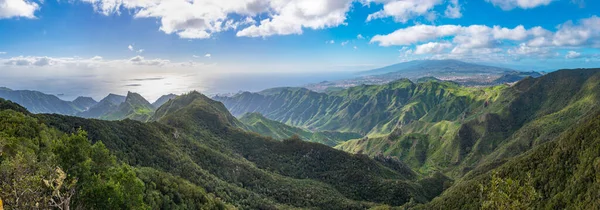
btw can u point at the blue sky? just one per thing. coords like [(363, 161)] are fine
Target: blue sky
[(52, 44)]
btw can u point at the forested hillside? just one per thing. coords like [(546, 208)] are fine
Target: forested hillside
[(560, 174), (435, 125), (528, 145), (255, 122), (367, 109), (195, 142)]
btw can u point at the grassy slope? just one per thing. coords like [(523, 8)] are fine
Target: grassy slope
[(257, 123)]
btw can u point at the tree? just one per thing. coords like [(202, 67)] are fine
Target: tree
[(509, 194)]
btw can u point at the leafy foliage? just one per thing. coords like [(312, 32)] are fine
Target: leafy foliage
[(41, 167)]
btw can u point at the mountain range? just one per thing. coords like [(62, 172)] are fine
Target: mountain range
[(112, 107), (436, 125), (425, 143), (38, 102), (468, 74), (196, 140)]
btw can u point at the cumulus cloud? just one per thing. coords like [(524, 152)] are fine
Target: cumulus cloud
[(404, 10), (573, 55), (529, 51), (416, 34), (453, 10), (140, 51), (360, 36), (485, 39), (208, 55), (290, 17), (130, 48), (17, 8), (523, 4), (330, 42), (584, 32), (432, 47), (2, 53), (344, 43), (201, 19)]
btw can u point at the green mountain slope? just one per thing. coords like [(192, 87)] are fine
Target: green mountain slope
[(367, 109), (103, 107), (436, 125), (563, 174), (163, 99), (116, 107), (43, 168), (531, 112), (134, 107), (255, 122), (38, 102), (195, 138)]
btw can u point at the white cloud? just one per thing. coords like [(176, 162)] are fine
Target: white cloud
[(330, 42), (344, 43), (405, 53), (453, 10), (208, 55), (130, 48), (523, 4), (355, 48), (2, 53), (291, 16), (416, 34), (432, 48), (572, 55), (29, 61), (360, 36), (585, 32), (195, 56), (17, 8), (140, 51), (201, 19), (525, 50), (404, 10), (519, 33), (139, 60)]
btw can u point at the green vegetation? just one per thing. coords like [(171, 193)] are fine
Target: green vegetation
[(255, 122), (115, 107), (41, 167), (430, 145), (134, 107), (563, 174), (194, 143), (162, 100), (367, 109)]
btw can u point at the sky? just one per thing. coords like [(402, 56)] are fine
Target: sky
[(155, 47)]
